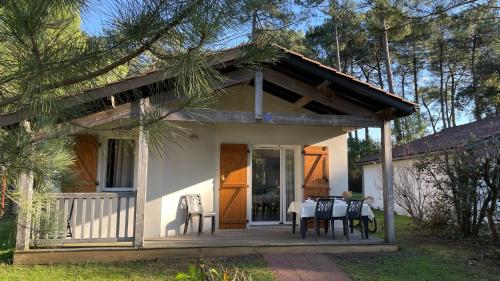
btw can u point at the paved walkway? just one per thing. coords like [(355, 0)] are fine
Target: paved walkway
[(304, 267)]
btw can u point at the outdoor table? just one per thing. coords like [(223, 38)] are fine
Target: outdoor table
[(307, 209)]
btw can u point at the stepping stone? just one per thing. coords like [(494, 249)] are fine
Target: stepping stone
[(304, 267)]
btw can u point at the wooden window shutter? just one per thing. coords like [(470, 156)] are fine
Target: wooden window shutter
[(86, 148), (233, 186), (316, 183)]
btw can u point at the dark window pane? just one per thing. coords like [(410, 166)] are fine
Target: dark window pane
[(120, 163)]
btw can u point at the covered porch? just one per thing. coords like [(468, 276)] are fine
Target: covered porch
[(318, 99)]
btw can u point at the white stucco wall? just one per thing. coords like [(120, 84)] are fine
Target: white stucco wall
[(193, 167), (185, 169), (372, 181)]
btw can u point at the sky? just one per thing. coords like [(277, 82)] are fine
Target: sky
[(94, 16)]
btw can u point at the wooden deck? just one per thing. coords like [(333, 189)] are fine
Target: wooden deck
[(255, 240)]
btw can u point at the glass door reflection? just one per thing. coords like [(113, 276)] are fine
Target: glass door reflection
[(266, 180)]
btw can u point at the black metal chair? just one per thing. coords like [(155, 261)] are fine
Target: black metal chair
[(353, 212), (323, 212), (194, 207)]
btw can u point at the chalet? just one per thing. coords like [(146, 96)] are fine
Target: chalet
[(277, 134)]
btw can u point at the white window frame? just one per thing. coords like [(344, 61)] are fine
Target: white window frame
[(103, 164)]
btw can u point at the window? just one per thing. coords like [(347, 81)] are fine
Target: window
[(120, 163)]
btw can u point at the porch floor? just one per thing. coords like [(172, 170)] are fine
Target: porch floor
[(254, 240), (258, 236)]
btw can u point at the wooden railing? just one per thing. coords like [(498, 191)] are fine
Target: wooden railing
[(84, 217)]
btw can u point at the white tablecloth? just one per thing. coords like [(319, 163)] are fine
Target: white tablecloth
[(307, 209)]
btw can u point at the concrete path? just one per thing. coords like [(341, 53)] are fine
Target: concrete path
[(304, 267)]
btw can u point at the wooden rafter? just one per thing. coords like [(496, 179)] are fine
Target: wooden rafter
[(232, 78), (315, 94), (307, 99), (302, 101)]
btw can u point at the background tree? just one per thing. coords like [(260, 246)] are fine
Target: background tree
[(358, 149)]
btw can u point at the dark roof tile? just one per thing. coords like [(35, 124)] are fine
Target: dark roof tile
[(449, 138)]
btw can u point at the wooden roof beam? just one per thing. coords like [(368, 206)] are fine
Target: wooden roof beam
[(307, 99), (302, 101), (277, 118), (126, 111)]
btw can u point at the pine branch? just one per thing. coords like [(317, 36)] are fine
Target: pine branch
[(174, 22)]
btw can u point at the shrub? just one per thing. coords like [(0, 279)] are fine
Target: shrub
[(467, 184), (205, 272)]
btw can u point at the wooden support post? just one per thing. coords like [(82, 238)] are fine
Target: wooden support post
[(388, 180), (141, 179), (25, 186), (258, 81)]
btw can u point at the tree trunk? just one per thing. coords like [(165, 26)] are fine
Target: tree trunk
[(388, 70), (441, 83), (415, 72), (356, 135), (490, 215), (445, 96), (452, 100), (387, 57), (335, 34), (403, 76), (254, 26), (478, 108), (367, 134), (379, 72), (431, 119), (493, 185)]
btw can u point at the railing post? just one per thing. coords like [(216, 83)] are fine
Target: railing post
[(25, 185), (142, 178)]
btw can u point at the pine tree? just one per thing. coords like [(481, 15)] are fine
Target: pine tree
[(45, 57)]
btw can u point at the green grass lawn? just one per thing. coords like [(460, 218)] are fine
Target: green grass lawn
[(159, 269), (419, 259)]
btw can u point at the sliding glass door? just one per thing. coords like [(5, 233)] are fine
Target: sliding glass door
[(266, 179), (273, 184)]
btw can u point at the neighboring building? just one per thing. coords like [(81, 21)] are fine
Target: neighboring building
[(404, 155)]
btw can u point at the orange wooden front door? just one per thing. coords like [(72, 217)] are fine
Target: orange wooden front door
[(85, 148), (316, 172), (233, 186)]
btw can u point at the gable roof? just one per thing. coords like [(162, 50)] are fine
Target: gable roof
[(449, 138), (308, 71)]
